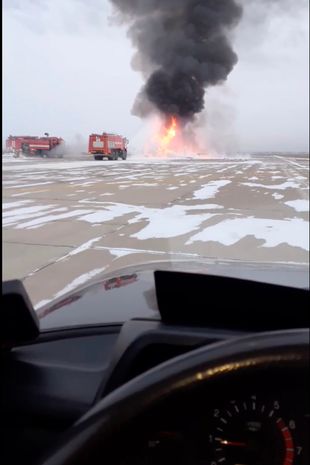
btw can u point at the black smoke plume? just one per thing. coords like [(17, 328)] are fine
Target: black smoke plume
[(183, 46)]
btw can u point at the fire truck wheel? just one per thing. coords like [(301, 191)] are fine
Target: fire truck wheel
[(98, 157)]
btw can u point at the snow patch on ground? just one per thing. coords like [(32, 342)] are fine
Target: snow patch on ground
[(10, 158), (18, 186), (169, 222), (283, 186), (294, 232), (19, 212), (43, 220), (277, 196), (110, 212), (145, 184), (210, 190), (122, 252), (15, 204), (66, 165), (21, 194), (11, 217), (81, 164), (163, 222), (118, 253), (301, 205), (85, 246)]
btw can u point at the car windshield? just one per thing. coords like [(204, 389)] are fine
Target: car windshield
[(153, 131)]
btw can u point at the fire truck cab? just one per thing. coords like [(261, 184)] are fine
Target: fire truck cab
[(35, 146), (110, 146)]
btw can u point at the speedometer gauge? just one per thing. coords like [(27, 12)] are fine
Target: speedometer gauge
[(254, 432)]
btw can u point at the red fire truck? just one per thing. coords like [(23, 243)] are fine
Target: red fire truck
[(36, 146), (111, 146), (13, 143)]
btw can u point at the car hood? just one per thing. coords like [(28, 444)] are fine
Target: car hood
[(130, 292)]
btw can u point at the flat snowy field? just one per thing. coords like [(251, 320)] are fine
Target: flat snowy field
[(66, 221)]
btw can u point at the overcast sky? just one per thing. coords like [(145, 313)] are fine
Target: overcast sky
[(66, 71)]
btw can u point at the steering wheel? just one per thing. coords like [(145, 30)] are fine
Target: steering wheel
[(89, 437)]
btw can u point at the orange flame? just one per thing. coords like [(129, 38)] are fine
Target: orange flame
[(171, 139), (169, 134)]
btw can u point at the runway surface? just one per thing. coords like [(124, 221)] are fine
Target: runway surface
[(67, 221)]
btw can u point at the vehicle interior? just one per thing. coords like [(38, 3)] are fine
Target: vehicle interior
[(219, 378)]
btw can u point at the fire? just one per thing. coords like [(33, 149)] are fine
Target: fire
[(171, 138), (169, 135)]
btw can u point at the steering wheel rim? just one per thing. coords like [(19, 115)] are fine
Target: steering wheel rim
[(285, 349)]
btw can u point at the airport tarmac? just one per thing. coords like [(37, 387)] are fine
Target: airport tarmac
[(67, 221)]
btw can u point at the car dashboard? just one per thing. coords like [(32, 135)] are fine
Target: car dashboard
[(258, 418), (245, 422)]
